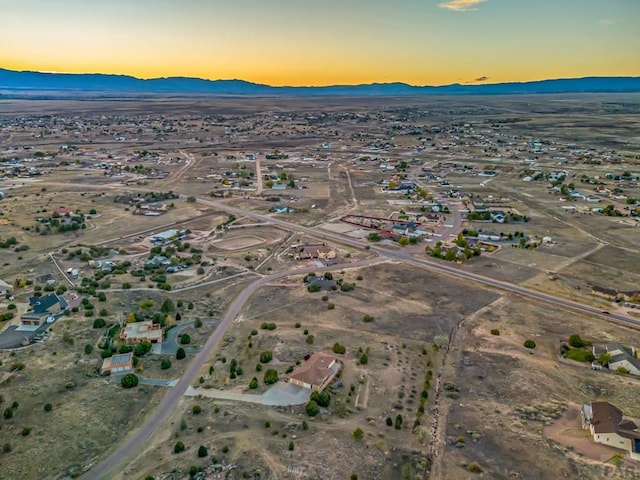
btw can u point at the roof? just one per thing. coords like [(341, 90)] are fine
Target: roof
[(44, 303), (121, 360), (144, 330), (605, 417), (315, 370)]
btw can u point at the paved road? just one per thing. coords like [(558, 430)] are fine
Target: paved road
[(429, 263), (172, 398), (111, 464)]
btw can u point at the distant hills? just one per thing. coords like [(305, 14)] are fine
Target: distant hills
[(33, 82)]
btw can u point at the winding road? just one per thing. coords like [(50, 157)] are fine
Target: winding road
[(118, 457), (111, 464)]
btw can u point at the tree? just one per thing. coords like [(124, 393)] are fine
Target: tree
[(196, 410), (312, 408), (291, 446), (191, 199), (185, 339), (338, 348), (198, 323), (389, 421), (142, 349), (8, 413), (48, 407), (165, 364), (130, 380), (529, 344), (179, 447), (88, 349), (604, 359), (266, 357), (323, 399), (253, 384), (367, 318), (358, 434), (270, 376), (576, 341), (202, 451), (99, 323), (398, 424), (167, 306), (364, 359), (180, 354)]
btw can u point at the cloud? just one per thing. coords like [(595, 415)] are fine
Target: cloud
[(607, 22), (479, 79), (461, 5)]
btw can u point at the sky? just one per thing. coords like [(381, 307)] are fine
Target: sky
[(323, 42)]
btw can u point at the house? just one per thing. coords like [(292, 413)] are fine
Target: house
[(620, 357), (63, 211), (119, 363), (168, 236), (316, 373), (41, 310), (607, 426), (305, 252), (141, 332)]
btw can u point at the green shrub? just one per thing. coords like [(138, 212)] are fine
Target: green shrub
[(529, 344), (179, 447), (48, 407), (495, 331), (185, 339), (266, 357), (358, 434), (196, 410), (130, 380), (253, 384), (367, 319), (270, 376), (180, 353), (165, 364), (202, 451), (339, 348), (312, 408)]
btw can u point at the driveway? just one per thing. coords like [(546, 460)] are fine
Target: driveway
[(156, 382), (282, 394), (170, 345)]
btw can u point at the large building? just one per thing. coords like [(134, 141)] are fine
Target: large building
[(607, 425), (316, 373), (141, 332)]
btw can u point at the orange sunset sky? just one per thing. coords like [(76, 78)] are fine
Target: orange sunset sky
[(304, 42)]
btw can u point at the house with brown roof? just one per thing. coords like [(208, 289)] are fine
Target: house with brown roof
[(608, 426), (316, 373), (141, 332)]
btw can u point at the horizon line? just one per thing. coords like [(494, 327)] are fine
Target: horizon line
[(460, 83)]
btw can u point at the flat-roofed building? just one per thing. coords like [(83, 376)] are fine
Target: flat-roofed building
[(141, 332)]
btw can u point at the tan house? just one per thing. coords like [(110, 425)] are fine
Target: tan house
[(316, 373), (122, 362), (305, 252), (607, 426), (141, 332)]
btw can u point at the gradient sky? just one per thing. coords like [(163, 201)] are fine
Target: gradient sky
[(319, 42)]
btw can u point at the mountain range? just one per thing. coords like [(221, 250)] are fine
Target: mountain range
[(28, 82)]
